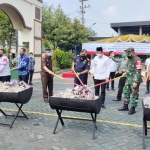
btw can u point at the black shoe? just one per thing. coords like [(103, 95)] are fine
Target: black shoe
[(46, 100), (116, 99), (132, 111), (124, 108), (147, 92), (112, 89), (30, 84), (103, 106), (107, 89)]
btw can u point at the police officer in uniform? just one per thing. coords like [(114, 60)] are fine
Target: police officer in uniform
[(46, 74), (82, 66)]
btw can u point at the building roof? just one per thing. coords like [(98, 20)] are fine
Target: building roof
[(132, 27), (124, 38)]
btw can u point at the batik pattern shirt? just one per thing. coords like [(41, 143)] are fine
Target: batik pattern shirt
[(23, 65), (31, 63)]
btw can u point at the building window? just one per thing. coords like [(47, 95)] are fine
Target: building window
[(37, 13)]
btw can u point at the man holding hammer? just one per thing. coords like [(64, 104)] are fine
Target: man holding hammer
[(133, 81), (101, 71), (47, 75)]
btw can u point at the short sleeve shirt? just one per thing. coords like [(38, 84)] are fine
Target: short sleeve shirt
[(81, 65)]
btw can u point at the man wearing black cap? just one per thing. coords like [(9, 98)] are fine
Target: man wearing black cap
[(82, 66), (46, 74), (101, 73)]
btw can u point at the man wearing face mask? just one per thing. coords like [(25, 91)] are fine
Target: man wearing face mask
[(101, 73), (122, 69), (31, 67), (133, 81), (4, 67), (81, 65), (22, 68), (113, 68), (46, 74)]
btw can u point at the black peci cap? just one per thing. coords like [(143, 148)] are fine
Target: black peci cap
[(99, 49)]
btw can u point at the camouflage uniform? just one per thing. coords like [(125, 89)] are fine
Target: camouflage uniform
[(133, 75)]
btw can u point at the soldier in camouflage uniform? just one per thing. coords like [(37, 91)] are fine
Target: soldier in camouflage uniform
[(133, 81)]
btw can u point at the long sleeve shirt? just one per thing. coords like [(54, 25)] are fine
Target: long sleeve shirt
[(122, 64), (31, 63), (101, 67), (112, 65), (134, 67), (4, 66), (23, 65)]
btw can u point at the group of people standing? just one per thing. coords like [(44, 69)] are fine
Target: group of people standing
[(25, 67), (103, 70)]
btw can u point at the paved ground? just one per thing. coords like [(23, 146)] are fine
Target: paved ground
[(116, 130)]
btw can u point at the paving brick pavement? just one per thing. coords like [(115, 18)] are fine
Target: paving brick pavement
[(114, 130)]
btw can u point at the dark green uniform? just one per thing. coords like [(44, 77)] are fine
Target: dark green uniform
[(133, 75)]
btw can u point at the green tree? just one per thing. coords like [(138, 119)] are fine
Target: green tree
[(58, 27), (7, 33)]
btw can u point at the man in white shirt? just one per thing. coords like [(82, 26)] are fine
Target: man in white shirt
[(4, 67), (101, 73), (147, 63), (113, 68)]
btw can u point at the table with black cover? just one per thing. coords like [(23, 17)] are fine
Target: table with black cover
[(92, 107), (146, 117), (19, 99)]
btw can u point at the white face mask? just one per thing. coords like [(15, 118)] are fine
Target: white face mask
[(113, 55), (99, 55)]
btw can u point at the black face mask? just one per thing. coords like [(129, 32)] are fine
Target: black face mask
[(129, 57), (1, 55), (83, 57)]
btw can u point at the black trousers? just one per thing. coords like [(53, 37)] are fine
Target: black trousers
[(147, 84), (31, 75), (83, 77), (24, 78), (120, 87), (97, 89), (5, 79), (112, 76)]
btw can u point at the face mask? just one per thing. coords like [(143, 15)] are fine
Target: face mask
[(21, 54), (50, 54), (1, 55), (122, 56), (113, 55), (99, 55), (129, 57), (83, 57), (31, 57)]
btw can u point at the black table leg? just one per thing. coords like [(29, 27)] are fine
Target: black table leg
[(94, 122), (144, 146), (59, 115), (21, 111), (3, 113), (59, 118), (16, 115), (145, 123)]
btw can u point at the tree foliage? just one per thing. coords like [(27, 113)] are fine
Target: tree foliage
[(7, 33), (61, 31)]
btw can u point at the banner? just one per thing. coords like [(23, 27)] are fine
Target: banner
[(143, 48)]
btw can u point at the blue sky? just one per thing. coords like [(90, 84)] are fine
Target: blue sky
[(105, 12)]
